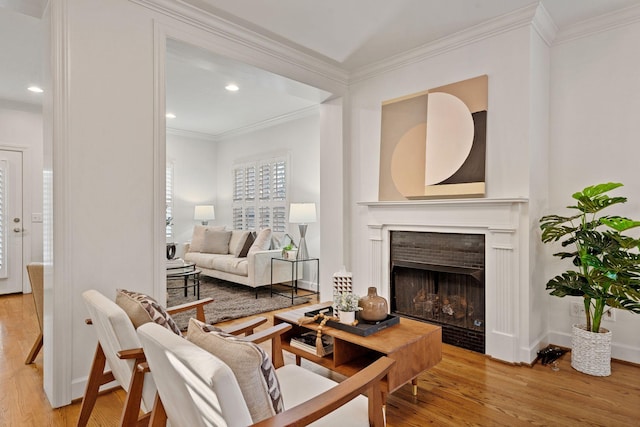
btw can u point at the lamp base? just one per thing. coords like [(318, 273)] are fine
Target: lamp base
[(302, 246)]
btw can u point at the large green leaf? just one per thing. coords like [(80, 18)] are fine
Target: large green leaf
[(596, 204), (595, 190), (619, 223), (568, 283)]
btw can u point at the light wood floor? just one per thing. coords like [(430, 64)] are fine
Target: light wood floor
[(466, 388)]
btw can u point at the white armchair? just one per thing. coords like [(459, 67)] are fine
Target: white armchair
[(119, 347), (196, 388)]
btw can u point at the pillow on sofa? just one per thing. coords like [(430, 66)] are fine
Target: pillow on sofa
[(142, 309), (247, 245), (250, 364), (199, 232), (216, 242), (238, 237), (263, 241)]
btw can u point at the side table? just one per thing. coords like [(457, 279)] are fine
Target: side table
[(186, 271), (294, 274)]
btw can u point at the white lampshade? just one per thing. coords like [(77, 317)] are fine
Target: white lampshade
[(204, 213), (302, 213)]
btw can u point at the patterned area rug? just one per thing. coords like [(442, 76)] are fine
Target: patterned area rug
[(231, 301)]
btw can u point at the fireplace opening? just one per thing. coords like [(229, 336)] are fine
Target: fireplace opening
[(439, 278)]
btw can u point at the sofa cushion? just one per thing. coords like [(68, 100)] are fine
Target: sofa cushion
[(250, 364), (198, 237), (247, 245), (263, 241), (230, 264), (204, 260), (238, 237), (142, 308), (216, 242)]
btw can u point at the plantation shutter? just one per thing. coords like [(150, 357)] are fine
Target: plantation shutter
[(169, 202), (260, 195)]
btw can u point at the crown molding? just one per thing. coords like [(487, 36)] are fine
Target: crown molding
[(543, 24), (191, 134), (508, 22), (299, 114), (274, 121), (608, 21), (333, 75)]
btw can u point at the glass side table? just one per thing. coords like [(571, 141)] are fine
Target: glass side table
[(294, 275), (184, 270)]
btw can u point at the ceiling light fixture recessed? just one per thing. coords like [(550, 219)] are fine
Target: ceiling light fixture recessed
[(35, 89), (232, 87), (170, 116)]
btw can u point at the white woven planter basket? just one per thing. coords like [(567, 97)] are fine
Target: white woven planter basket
[(590, 351)]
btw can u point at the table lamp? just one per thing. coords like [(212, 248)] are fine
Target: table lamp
[(204, 213), (302, 214)]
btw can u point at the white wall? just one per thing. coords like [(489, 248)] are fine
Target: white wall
[(195, 171), (104, 166), (594, 138), (300, 140), (21, 127)]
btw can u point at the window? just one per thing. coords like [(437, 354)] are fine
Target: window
[(260, 195), (169, 202)]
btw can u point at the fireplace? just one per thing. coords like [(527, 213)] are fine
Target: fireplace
[(509, 303), (439, 278)]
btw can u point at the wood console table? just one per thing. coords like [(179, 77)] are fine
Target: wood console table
[(415, 346)]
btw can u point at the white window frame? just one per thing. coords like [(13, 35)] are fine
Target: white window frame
[(169, 201), (261, 202)]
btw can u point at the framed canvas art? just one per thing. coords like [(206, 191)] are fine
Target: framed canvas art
[(433, 143)]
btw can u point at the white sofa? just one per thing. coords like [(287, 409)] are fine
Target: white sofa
[(220, 253)]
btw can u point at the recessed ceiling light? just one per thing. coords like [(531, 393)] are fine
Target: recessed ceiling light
[(35, 89), (232, 87), (170, 116)]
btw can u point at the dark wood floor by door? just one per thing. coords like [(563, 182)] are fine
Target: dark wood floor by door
[(466, 388)]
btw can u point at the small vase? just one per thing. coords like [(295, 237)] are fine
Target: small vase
[(171, 250), (374, 307), (347, 317)]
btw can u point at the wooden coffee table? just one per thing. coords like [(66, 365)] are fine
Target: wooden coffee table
[(415, 346)]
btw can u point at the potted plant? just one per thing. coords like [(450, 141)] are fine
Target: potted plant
[(346, 304), (605, 273), (289, 251)]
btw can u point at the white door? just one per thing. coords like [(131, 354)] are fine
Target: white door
[(11, 227)]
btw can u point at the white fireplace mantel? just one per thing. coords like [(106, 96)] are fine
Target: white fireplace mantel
[(502, 221)]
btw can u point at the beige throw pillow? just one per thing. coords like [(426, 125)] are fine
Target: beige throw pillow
[(199, 233), (263, 241), (250, 364), (142, 309), (238, 237), (216, 242)]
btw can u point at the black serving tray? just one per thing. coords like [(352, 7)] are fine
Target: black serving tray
[(363, 328)]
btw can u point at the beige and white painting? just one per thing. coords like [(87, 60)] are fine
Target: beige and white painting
[(433, 143)]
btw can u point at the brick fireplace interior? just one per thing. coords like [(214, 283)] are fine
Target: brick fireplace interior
[(440, 278)]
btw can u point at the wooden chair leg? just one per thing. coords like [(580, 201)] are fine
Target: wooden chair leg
[(158, 415), (376, 411), (34, 350), (97, 377), (131, 409)]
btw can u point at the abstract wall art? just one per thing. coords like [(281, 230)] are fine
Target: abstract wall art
[(433, 143)]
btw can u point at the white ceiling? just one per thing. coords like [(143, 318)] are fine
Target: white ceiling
[(349, 33), (195, 92)]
